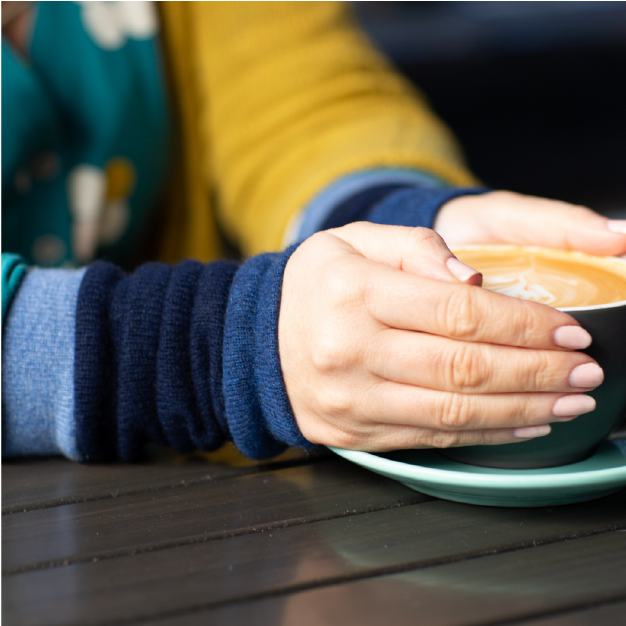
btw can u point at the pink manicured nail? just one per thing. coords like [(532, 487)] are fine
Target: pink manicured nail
[(573, 405), (529, 432), (572, 337), (586, 375), (566, 418), (617, 226), (461, 271)]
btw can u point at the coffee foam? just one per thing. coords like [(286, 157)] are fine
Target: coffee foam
[(557, 278)]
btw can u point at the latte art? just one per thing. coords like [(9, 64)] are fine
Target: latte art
[(524, 287), (553, 277)]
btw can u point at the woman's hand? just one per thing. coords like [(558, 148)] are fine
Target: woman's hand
[(506, 217), (386, 342)]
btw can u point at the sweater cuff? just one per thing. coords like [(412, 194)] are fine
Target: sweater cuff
[(331, 200), (38, 366), (259, 413), (416, 207)]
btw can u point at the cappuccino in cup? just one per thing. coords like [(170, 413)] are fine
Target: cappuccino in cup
[(593, 291), (557, 278)]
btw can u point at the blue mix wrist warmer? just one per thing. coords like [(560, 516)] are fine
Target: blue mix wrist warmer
[(257, 406), (396, 205), (149, 367)]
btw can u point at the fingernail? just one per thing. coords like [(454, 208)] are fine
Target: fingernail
[(573, 405), (586, 375), (617, 226), (461, 271), (529, 432), (572, 337), (566, 418)]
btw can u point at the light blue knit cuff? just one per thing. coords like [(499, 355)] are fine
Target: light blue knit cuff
[(309, 220), (38, 366)]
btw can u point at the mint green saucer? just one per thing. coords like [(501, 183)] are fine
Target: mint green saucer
[(427, 471)]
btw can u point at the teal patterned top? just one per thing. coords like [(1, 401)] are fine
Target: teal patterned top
[(85, 133)]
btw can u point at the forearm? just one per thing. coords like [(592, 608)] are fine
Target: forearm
[(184, 356)]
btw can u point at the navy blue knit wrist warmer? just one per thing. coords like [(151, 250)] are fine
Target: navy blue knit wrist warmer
[(259, 413), (184, 356), (415, 207), (396, 205)]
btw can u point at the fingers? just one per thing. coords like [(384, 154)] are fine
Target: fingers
[(388, 437), (393, 403), (467, 313), (506, 217), (464, 367), (418, 251), (571, 227)]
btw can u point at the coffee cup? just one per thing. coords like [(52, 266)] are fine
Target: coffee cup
[(593, 291)]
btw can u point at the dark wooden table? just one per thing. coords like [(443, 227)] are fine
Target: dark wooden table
[(303, 540)]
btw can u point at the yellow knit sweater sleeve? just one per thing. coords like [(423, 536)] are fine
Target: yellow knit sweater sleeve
[(292, 97)]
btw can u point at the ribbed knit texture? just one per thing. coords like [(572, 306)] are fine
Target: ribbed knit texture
[(415, 207), (315, 214), (258, 409), (38, 366), (149, 366), (358, 207)]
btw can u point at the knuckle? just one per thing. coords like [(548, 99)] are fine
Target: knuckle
[(442, 439), (524, 320), (326, 355), (456, 412), (485, 437), (346, 439), (419, 235), (524, 409), (541, 376), (467, 369), (460, 317), (334, 401), (341, 286)]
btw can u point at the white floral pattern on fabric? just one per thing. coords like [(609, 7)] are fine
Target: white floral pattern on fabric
[(86, 186), (86, 189), (88, 142), (98, 200), (110, 24)]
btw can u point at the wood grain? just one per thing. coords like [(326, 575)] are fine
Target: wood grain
[(198, 512), (45, 482), (613, 614), (500, 589), (365, 549)]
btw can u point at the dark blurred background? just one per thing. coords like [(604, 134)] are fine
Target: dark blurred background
[(535, 91)]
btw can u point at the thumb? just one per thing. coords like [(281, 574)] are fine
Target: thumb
[(418, 251)]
